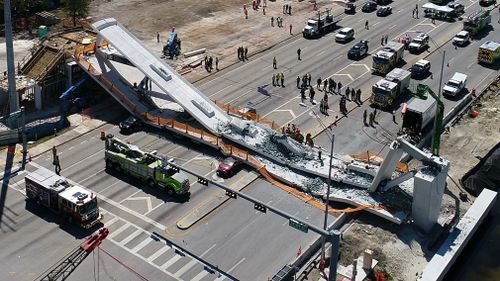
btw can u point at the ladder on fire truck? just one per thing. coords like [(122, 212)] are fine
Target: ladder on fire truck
[(69, 263)]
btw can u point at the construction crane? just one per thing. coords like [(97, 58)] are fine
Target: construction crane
[(422, 90), (64, 268)]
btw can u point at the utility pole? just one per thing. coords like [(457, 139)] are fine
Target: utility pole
[(434, 135), (325, 222), (25, 148), (11, 69)]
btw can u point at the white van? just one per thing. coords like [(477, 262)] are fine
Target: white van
[(344, 35), (455, 85)]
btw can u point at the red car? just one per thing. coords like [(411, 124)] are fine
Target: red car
[(228, 167)]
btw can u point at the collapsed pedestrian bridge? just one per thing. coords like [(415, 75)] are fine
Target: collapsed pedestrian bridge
[(151, 90)]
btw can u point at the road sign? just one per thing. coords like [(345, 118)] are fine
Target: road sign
[(298, 225)]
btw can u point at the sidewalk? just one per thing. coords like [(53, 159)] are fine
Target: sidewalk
[(79, 125)]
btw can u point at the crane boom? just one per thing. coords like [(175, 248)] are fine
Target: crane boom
[(63, 269)]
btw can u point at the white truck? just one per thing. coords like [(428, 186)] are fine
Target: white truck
[(316, 27), (418, 116), (455, 85), (387, 58), (387, 90), (73, 202), (419, 43)]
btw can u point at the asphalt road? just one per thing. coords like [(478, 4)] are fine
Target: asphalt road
[(248, 245)]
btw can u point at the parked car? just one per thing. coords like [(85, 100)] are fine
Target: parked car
[(359, 50), (130, 125), (458, 8), (344, 35), (384, 11), (420, 69), (487, 2), (350, 8), (369, 7), (228, 167), (462, 38)]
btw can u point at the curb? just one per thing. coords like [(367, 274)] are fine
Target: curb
[(210, 206)]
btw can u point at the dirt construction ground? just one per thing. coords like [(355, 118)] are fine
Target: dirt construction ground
[(217, 25)]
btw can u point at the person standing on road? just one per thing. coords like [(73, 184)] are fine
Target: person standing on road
[(298, 53), (347, 91), (309, 78), (157, 37), (365, 114), (217, 63), (394, 117), (246, 53), (374, 115), (318, 83), (366, 25), (311, 93), (291, 29), (371, 119), (298, 82), (274, 63), (339, 87), (274, 79), (272, 21), (386, 38), (358, 96), (302, 94), (334, 86), (282, 80), (325, 84)]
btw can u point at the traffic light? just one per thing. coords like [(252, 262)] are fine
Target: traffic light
[(259, 207), (231, 194), (203, 181)]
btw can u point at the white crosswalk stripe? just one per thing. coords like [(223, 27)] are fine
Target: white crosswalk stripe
[(200, 275), (171, 261), (118, 231), (130, 237), (185, 268), (157, 254), (141, 245)]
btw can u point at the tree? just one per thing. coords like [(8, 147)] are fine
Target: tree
[(77, 9)]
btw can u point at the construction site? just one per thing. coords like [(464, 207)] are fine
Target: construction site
[(402, 205)]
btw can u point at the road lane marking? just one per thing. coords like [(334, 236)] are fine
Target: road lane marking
[(287, 110), (220, 90), (393, 26), (343, 74), (234, 266)]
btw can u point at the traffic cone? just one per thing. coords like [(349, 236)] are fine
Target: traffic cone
[(29, 157), (103, 135)]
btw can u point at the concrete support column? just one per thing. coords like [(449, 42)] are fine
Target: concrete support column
[(428, 192)]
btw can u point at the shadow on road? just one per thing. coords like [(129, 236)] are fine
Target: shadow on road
[(5, 185)]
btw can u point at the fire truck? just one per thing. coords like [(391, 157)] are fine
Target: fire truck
[(74, 202)]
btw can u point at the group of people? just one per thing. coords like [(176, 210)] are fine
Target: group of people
[(242, 53), (279, 21), (209, 63), (383, 40), (415, 12), (294, 132), (279, 79), (287, 9), (371, 118)]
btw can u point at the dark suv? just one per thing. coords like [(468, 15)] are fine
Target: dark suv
[(130, 125), (359, 50)]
